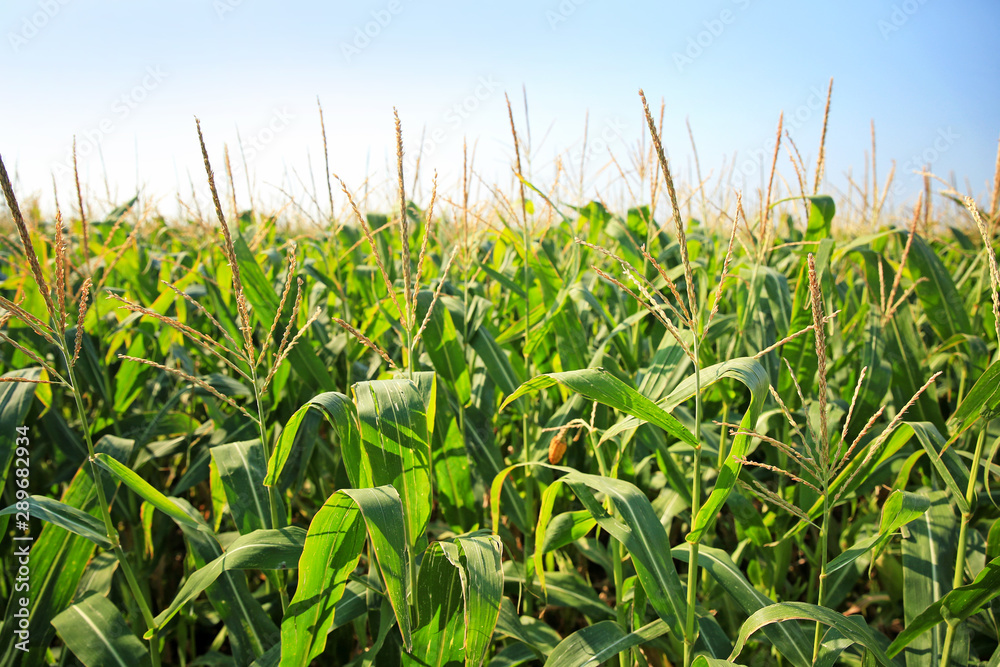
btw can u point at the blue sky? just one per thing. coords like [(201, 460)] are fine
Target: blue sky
[(128, 77)]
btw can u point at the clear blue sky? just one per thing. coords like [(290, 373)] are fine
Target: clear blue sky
[(131, 76)]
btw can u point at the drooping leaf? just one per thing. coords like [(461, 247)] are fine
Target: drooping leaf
[(602, 641)]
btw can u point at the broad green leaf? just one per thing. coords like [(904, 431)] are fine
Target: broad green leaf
[(65, 516), (145, 490), (242, 468), (904, 347), (947, 464), (563, 589), (96, 632), (753, 375), (482, 589), (498, 366), (342, 415), (395, 443), (937, 292), (785, 611), (566, 528), (97, 577), (439, 630), (900, 508), (331, 552), (513, 655), (599, 385), (602, 641), (928, 566), (528, 630), (260, 550), (821, 211), (634, 524), (982, 399)]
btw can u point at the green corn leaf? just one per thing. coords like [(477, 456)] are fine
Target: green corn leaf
[(937, 294), (900, 508), (438, 634), (331, 552), (822, 208), (441, 341), (602, 641), (242, 469), (634, 524), (260, 550), (786, 611), (983, 399), (66, 516), (954, 607), (565, 529), (928, 565), (563, 589), (15, 399), (146, 491), (96, 632), (264, 302), (531, 632), (599, 385), (342, 415), (251, 631), (482, 589), (397, 448)]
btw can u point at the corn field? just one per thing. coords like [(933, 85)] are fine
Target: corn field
[(504, 432)]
